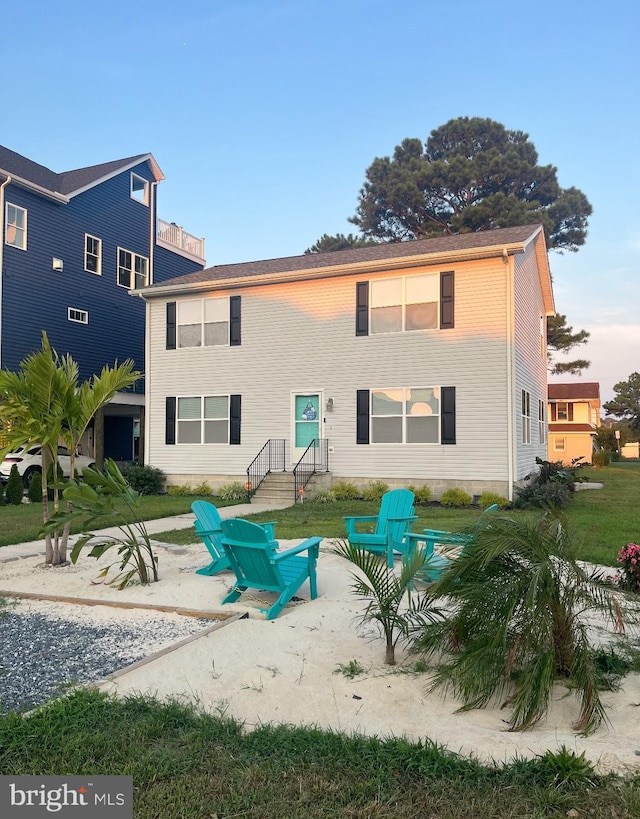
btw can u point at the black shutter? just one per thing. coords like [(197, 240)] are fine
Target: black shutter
[(235, 411), (446, 300), (362, 308), (362, 416), (171, 325), (235, 334), (448, 415), (170, 423)]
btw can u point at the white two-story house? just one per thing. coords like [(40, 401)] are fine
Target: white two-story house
[(419, 362)]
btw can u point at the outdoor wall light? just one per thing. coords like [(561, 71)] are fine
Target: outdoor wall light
[(57, 264), (330, 405)]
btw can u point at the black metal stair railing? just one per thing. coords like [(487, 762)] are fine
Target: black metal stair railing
[(271, 458), (314, 459)]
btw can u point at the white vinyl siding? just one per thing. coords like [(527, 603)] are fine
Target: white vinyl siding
[(301, 334)]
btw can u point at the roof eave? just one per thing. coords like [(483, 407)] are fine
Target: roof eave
[(333, 271), (155, 169), (25, 183)]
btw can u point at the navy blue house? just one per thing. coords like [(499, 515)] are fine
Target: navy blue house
[(72, 247)]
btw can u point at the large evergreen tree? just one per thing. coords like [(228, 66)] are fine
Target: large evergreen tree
[(626, 402), (472, 174)]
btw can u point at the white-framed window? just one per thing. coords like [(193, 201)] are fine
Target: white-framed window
[(133, 270), (203, 322), (562, 411), (139, 189), (92, 254), (79, 316), (203, 419), (559, 444), (408, 415), (15, 226), (404, 303), (526, 417), (542, 423)]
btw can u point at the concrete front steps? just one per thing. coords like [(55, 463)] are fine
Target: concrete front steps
[(279, 488)]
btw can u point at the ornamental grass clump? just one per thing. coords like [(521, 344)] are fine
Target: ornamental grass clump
[(629, 560), (519, 604)]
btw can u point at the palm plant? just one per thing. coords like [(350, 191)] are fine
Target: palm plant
[(45, 404), (386, 591), (517, 621)]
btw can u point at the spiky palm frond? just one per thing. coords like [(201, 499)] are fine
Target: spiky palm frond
[(519, 602)]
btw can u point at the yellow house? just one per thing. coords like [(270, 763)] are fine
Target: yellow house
[(574, 415)]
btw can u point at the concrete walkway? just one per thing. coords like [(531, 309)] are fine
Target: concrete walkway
[(35, 548)]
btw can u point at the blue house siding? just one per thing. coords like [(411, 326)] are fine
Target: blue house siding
[(35, 297)]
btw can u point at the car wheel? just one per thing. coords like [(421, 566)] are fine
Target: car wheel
[(28, 475)]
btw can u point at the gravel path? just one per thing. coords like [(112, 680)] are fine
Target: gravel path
[(47, 647)]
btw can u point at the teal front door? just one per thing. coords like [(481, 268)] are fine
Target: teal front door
[(307, 422)]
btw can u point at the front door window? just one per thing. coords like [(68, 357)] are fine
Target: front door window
[(307, 420)]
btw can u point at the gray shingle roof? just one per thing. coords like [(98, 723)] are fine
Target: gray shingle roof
[(67, 182), (372, 253)]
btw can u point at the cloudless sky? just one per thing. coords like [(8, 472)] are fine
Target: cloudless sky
[(265, 114)]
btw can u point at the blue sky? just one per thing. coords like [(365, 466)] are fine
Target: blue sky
[(265, 114)]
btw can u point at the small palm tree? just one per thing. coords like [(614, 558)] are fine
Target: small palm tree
[(386, 593), (517, 620), (45, 404)]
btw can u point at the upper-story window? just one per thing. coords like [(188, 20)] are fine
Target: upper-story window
[(92, 254), (203, 322), (133, 270), (139, 189), (15, 226), (404, 303), (526, 417), (562, 411)]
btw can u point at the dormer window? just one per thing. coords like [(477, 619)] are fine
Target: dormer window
[(139, 189)]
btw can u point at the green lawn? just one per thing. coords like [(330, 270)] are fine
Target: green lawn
[(191, 765), (602, 520)]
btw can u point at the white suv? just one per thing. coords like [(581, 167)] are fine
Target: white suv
[(29, 461)]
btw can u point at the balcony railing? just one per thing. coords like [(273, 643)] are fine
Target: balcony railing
[(173, 235)]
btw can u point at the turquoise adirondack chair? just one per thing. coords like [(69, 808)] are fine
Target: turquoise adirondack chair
[(392, 523), (436, 564), (207, 526), (254, 558)]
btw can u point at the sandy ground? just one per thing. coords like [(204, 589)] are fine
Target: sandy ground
[(288, 670)]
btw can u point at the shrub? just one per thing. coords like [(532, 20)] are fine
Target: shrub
[(489, 498), (14, 491), (233, 491), (324, 496), (601, 457), (34, 492), (343, 490), (147, 480), (1, 494), (422, 494), (176, 490), (375, 490), (455, 497), (542, 496), (202, 489), (629, 560)]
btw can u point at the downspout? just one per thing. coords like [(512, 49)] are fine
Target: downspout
[(511, 398), (152, 229), (2, 228)]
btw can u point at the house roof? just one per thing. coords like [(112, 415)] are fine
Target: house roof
[(386, 255), (580, 390), (66, 185), (568, 428)]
